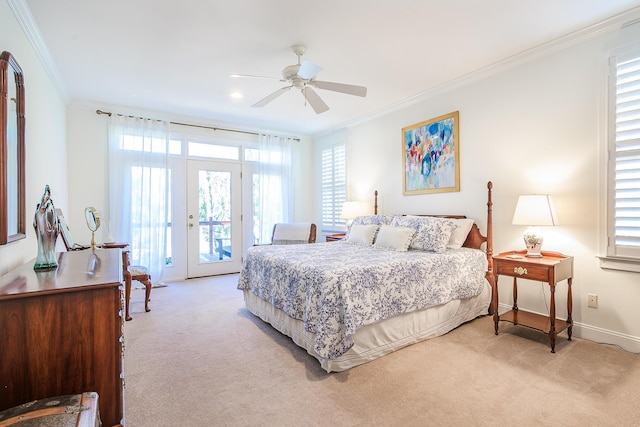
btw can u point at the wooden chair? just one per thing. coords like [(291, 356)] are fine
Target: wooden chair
[(293, 233)]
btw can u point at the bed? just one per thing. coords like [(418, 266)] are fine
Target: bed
[(394, 281)]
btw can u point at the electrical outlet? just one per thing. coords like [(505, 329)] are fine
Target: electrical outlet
[(592, 300)]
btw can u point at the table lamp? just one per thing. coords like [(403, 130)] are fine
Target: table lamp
[(533, 211), (350, 210)]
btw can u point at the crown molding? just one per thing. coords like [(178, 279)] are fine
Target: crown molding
[(616, 22), (28, 25)]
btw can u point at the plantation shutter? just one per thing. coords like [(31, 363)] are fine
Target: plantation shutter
[(624, 158), (334, 187)]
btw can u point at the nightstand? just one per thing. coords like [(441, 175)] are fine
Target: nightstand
[(552, 267), (334, 237)]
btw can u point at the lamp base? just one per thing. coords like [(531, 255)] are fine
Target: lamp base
[(533, 241), (534, 252)]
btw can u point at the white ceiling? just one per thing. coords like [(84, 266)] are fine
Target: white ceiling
[(176, 57)]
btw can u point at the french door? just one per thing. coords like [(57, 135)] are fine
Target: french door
[(214, 218)]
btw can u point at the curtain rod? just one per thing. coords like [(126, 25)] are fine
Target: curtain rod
[(108, 113)]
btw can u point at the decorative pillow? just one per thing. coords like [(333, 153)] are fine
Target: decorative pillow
[(394, 238), (371, 219), (363, 235), (460, 233), (432, 233)]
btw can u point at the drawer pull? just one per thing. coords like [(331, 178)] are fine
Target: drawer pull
[(519, 270)]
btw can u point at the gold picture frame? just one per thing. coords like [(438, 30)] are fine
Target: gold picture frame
[(431, 156)]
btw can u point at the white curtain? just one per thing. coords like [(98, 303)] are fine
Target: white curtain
[(139, 189), (275, 187)]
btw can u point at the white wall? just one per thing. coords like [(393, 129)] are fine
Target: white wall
[(45, 141), (529, 126)]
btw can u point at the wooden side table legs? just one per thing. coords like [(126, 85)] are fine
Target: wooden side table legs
[(496, 316), (552, 317), (569, 307)]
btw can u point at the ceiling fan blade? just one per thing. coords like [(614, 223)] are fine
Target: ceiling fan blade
[(267, 99), (316, 102), (341, 87), (308, 70)]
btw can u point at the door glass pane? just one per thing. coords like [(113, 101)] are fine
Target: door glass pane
[(214, 203)]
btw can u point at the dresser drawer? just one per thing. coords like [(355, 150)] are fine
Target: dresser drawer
[(527, 271)]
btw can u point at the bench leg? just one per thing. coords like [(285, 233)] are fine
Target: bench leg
[(127, 293), (147, 293), (146, 281)]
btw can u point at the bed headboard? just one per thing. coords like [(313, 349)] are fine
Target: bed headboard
[(475, 239)]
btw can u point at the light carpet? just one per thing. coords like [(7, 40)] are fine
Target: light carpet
[(199, 358)]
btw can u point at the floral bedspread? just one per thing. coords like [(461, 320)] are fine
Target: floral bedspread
[(335, 288)]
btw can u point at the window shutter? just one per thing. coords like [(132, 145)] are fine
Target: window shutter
[(624, 158), (334, 187)]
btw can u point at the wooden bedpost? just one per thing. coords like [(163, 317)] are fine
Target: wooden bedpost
[(375, 202), (490, 226), (490, 276)]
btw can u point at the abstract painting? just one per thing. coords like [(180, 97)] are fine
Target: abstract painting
[(431, 156)]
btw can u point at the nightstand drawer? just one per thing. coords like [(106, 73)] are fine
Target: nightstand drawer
[(525, 271)]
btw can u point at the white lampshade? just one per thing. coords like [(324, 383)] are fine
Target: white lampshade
[(350, 210), (534, 210)]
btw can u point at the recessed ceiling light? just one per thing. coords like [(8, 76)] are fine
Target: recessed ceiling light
[(236, 95)]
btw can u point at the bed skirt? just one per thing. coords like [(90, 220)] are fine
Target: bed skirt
[(378, 339)]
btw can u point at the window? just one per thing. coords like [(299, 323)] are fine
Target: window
[(623, 164), (334, 187), (149, 144), (145, 182), (213, 151)]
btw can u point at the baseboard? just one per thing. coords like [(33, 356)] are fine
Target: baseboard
[(604, 336), (599, 335)]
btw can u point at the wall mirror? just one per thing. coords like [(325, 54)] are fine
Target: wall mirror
[(12, 151)]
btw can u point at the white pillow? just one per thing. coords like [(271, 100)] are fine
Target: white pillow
[(460, 233), (394, 238), (361, 234)]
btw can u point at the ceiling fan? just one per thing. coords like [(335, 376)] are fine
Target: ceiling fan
[(303, 77)]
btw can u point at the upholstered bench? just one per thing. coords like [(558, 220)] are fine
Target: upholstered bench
[(140, 274)]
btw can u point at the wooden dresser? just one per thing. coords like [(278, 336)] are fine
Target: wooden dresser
[(61, 332)]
